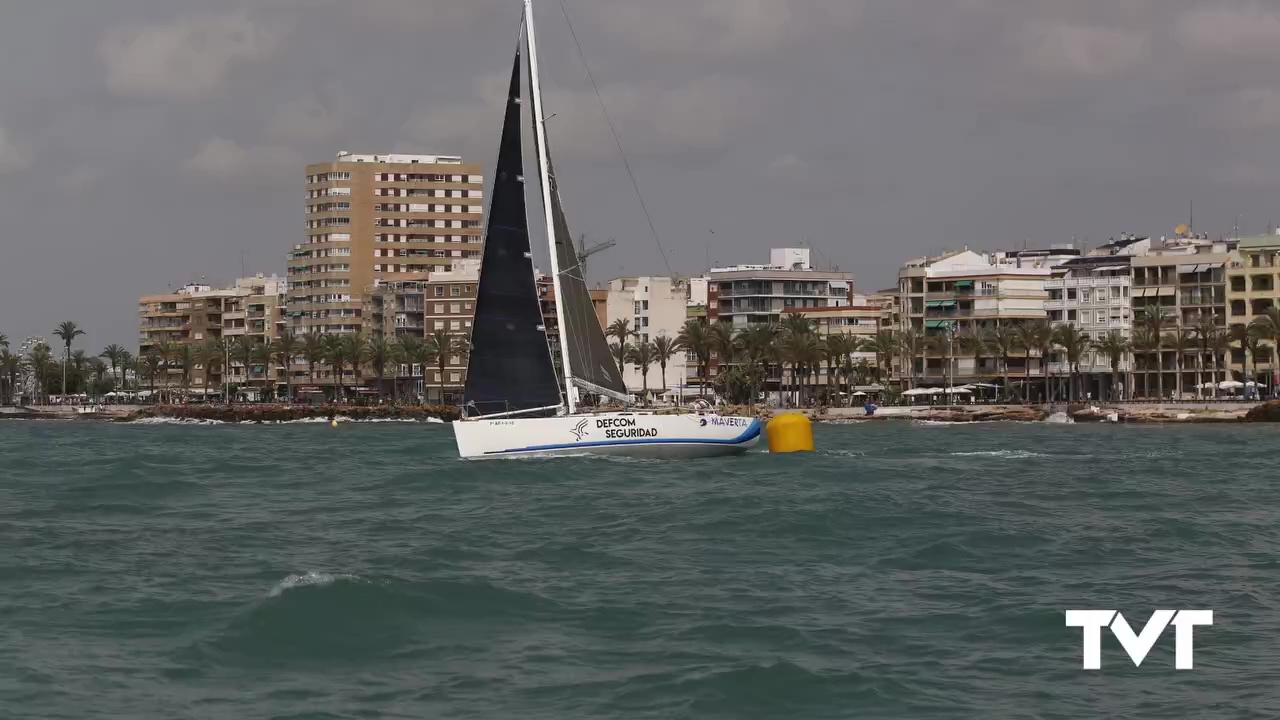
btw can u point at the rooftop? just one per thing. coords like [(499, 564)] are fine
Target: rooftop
[(345, 156)]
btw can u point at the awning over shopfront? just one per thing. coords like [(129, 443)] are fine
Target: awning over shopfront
[(940, 303), (964, 283)]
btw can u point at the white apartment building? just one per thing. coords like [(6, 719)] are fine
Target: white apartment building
[(652, 307), (1093, 294), (965, 290)]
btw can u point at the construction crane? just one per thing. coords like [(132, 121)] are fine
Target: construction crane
[(585, 252)]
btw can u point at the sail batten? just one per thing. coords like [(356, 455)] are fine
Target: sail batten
[(509, 367)]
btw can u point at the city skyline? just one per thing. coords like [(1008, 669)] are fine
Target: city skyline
[(145, 144)]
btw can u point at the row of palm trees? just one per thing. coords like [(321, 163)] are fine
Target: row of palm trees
[(74, 372), (336, 352), (747, 354)]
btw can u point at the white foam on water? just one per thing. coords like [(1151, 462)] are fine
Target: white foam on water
[(1007, 454), (310, 577), (1061, 418), (175, 421)]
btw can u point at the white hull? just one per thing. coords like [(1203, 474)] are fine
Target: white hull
[(626, 434)]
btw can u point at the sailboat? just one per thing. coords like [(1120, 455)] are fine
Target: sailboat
[(518, 401)]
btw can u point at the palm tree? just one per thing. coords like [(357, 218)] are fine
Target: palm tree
[(152, 362), (723, 344), (112, 355), (313, 351), (1241, 336), (695, 338), (263, 353), (241, 351), (166, 352), (1074, 344), (210, 355), (1152, 318), (619, 350), (99, 370), (839, 356), (10, 367), (975, 341), (1143, 343), (1180, 341), (79, 361), (620, 330), (127, 363), (803, 350), (1005, 341), (943, 344), (440, 346), (1115, 346), (380, 354), (412, 351), (1268, 326), (885, 344), (335, 353), (185, 356), (664, 348), (758, 343), (1037, 335), (40, 360), (355, 349), (1204, 332), (4, 341), (912, 344), (286, 347), (68, 331), (641, 355)]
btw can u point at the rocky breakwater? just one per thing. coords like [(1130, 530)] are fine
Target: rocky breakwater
[(1266, 412), (293, 413), (1154, 414)]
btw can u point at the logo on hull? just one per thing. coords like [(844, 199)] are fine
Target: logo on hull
[(580, 429)]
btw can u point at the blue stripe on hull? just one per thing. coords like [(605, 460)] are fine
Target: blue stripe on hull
[(751, 433)]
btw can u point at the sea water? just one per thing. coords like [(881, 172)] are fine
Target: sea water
[(901, 571)]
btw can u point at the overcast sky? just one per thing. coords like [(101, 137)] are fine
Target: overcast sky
[(145, 143)]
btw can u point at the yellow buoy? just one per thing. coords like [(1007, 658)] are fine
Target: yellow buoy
[(334, 422), (788, 433)]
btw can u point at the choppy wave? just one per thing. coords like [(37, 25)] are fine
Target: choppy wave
[(1006, 454), (307, 579)]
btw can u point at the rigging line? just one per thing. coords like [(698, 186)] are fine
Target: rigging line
[(653, 229)]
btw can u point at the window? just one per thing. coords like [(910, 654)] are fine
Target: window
[(1101, 316), (455, 308), (439, 325), (438, 308), (455, 291), (439, 291), (637, 310), (1071, 293), (466, 306), (455, 377), (455, 325)]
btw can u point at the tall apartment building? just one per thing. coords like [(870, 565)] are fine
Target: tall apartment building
[(1185, 282), (743, 295), (747, 294), (1253, 287), (956, 293), (198, 314), (652, 307), (443, 302), (1093, 294), (373, 218)]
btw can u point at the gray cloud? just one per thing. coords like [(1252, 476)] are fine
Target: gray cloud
[(150, 142)]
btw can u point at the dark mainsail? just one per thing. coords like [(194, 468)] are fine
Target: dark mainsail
[(510, 364), (591, 361)]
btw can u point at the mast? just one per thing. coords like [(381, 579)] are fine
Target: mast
[(544, 178)]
